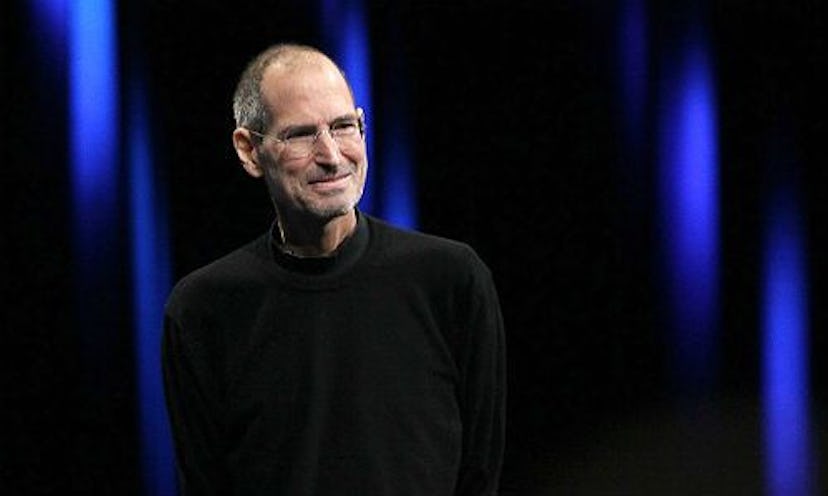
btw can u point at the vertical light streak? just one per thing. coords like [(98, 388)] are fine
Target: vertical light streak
[(93, 74), (94, 156), (151, 279), (689, 212), (389, 190), (786, 387), (346, 36)]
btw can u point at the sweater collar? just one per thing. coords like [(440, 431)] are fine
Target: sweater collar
[(344, 257)]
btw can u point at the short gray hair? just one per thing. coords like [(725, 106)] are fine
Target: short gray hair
[(249, 109)]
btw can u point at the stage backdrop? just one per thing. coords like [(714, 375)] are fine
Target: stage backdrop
[(645, 180)]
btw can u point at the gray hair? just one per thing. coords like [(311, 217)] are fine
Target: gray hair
[(249, 109)]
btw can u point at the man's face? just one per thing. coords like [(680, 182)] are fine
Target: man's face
[(327, 181)]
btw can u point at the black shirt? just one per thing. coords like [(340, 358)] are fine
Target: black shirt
[(378, 371)]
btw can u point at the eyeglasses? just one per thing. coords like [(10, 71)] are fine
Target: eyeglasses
[(299, 141)]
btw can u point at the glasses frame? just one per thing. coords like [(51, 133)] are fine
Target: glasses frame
[(360, 121)]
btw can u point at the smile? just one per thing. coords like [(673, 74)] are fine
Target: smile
[(330, 183)]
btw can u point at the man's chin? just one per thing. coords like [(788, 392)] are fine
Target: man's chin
[(331, 212)]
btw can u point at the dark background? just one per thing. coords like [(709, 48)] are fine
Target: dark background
[(516, 140)]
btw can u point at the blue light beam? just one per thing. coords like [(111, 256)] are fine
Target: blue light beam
[(93, 73), (151, 279), (689, 210), (786, 388), (344, 26), (94, 117)]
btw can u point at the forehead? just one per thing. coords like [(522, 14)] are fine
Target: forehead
[(306, 88)]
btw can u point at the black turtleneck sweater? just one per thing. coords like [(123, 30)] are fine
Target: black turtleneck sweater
[(377, 371)]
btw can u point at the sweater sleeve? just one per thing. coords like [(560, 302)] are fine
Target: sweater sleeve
[(193, 408), (483, 397)]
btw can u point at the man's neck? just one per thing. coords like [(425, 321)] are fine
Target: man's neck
[(311, 240)]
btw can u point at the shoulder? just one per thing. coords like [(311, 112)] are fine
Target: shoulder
[(455, 276), (205, 285), (416, 248)]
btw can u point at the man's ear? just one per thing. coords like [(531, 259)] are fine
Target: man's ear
[(246, 150)]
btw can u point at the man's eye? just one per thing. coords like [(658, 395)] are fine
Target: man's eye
[(344, 127), (300, 134)]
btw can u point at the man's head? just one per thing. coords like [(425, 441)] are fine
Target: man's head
[(299, 129)]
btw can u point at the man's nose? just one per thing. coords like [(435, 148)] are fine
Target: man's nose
[(325, 145)]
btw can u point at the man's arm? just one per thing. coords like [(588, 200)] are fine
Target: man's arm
[(483, 398), (193, 409)]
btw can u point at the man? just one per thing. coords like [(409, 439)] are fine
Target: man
[(336, 354)]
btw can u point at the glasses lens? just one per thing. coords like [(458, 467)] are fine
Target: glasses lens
[(345, 134), (299, 146)]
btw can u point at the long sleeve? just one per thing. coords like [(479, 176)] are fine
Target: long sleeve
[(192, 404), (483, 398), (383, 373)]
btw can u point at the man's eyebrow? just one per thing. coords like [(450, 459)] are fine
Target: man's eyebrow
[(353, 116), (298, 127), (312, 127)]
